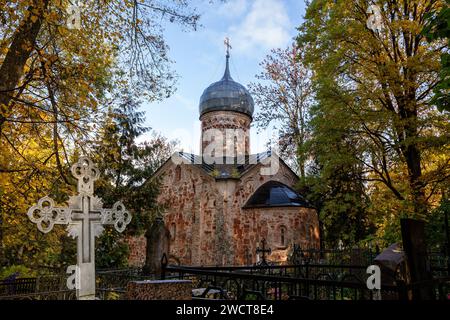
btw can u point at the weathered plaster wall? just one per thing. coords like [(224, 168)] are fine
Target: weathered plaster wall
[(250, 226), (192, 203), (300, 227), (137, 246), (208, 225), (223, 120)]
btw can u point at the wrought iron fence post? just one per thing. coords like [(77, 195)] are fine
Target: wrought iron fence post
[(402, 290), (441, 292), (447, 233), (307, 277), (164, 263)]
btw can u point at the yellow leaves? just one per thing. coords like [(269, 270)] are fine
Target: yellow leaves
[(35, 11), (52, 16), (128, 4), (27, 46), (62, 30), (52, 58), (3, 51), (13, 14), (34, 18)]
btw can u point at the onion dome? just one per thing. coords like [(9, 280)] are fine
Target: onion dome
[(226, 95)]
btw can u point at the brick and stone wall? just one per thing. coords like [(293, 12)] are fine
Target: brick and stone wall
[(223, 121), (247, 227), (137, 254), (299, 224), (209, 227)]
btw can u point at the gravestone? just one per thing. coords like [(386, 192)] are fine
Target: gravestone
[(85, 217), (158, 241)]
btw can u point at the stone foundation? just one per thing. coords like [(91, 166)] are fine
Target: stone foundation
[(160, 290)]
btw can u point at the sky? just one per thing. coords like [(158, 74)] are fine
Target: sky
[(254, 27)]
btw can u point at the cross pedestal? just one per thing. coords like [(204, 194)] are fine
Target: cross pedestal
[(85, 217)]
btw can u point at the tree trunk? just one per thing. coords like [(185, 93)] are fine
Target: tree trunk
[(412, 154), (22, 44), (11, 70), (413, 160), (2, 253)]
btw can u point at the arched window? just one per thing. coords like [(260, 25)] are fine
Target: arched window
[(177, 174), (311, 232), (283, 236), (173, 230)]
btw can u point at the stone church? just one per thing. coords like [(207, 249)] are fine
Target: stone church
[(220, 205)]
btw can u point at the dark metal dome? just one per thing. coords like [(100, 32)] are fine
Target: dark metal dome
[(275, 194), (226, 95)]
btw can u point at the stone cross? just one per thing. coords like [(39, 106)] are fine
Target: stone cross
[(263, 251), (85, 217)]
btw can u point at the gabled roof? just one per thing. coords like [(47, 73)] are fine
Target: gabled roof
[(226, 168), (229, 168)]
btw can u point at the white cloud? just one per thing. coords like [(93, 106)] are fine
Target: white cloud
[(188, 140), (233, 8), (185, 102), (265, 26)]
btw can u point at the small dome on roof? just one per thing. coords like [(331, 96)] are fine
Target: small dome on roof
[(275, 194)]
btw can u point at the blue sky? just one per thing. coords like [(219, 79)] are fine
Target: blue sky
[(254, 28)]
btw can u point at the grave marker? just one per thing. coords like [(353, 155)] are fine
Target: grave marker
[(85, 217)]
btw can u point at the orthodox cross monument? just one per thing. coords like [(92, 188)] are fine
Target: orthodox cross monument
[(85, 217)]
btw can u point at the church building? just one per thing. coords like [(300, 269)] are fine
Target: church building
[(220, 205)]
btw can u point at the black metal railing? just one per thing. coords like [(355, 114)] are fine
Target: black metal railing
[(246, 285), (306, 270), (439, 264), (314, 282), (44, 295), (17, 286), (52, 287), (352, 256), (110, 284)]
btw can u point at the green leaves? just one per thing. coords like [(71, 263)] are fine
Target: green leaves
[(55, 83), (438, 27), (376, 135), (126, 170), (437, 24), (284, 94)]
